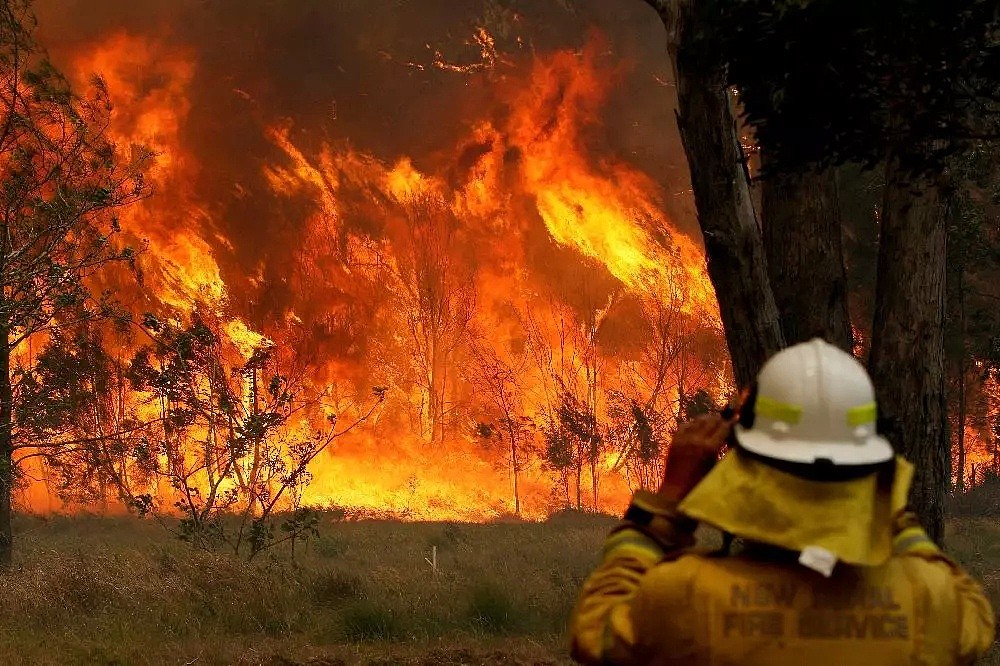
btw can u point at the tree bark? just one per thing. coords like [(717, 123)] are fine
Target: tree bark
[(962, 417), (720, 180), (803, 242), (907, 353), (6, 453), (579, 481), (962, 404)]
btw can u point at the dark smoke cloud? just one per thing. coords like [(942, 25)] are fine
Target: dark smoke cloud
[(296, 58)]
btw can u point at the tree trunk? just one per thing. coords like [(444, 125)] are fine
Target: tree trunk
[(517, 496), (579, 487), (720, 181), (805, 258), (593, 480), (515, 469), (6, 452), (681, 397), (996, 456), (962, 415), (962, 404), (907, 352)]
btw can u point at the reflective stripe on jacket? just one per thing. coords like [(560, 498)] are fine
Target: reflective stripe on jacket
[(917, 608)]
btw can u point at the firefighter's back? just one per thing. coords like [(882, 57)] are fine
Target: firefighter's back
[(747, 610)]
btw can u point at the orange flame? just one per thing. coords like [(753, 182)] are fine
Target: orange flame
[(452, 234)]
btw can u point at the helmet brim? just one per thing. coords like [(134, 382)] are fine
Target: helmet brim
[(863, 451)]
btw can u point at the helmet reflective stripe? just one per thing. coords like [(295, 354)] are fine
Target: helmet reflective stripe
[(777, 410), (792, 414), (861, 414)]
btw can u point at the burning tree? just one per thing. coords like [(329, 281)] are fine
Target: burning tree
[(437, 299), (971, 319), (499, 384), (639, 436), (676, 373), (570, 368), (77, 409), (574, 441), (61, 183), (236, 437)]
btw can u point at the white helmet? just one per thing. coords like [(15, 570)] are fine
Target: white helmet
[(815, 401)]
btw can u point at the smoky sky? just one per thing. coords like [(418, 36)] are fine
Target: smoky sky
[(337, 70), (299, 58)]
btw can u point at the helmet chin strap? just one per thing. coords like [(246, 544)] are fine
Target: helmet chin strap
[(727, 544)]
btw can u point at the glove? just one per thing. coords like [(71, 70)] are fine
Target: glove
[(693, 452)]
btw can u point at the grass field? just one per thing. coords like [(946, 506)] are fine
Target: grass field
[(123, 591)]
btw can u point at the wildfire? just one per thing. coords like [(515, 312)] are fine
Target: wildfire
[(179, 257), (980, 434), (402, 271)]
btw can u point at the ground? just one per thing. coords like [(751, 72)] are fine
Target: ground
[(88, 590)]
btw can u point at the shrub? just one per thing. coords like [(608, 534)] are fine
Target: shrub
[(449, 536)]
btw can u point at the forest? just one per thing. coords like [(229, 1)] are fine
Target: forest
[(270, 272)]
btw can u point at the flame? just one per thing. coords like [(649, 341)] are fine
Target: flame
[(981, 446), (246, 340), (406, 184), (607, 211), (179, 256), (487, 52), (465, 233)]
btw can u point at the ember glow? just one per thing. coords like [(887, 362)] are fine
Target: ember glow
[(507, 262)]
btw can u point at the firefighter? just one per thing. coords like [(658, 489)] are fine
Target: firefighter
[(833, 568)]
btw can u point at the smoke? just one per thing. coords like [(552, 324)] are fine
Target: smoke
[(338, 70)]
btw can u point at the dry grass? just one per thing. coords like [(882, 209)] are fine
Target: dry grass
[(121, 591), (101, 590), (975, 542), (982, 500)]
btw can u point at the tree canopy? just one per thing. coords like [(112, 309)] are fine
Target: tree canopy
[(831, 81)]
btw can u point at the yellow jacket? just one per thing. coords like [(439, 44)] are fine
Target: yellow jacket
[(653, 601)]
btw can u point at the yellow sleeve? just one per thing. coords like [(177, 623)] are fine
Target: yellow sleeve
[(602, 626), (976, 621)]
